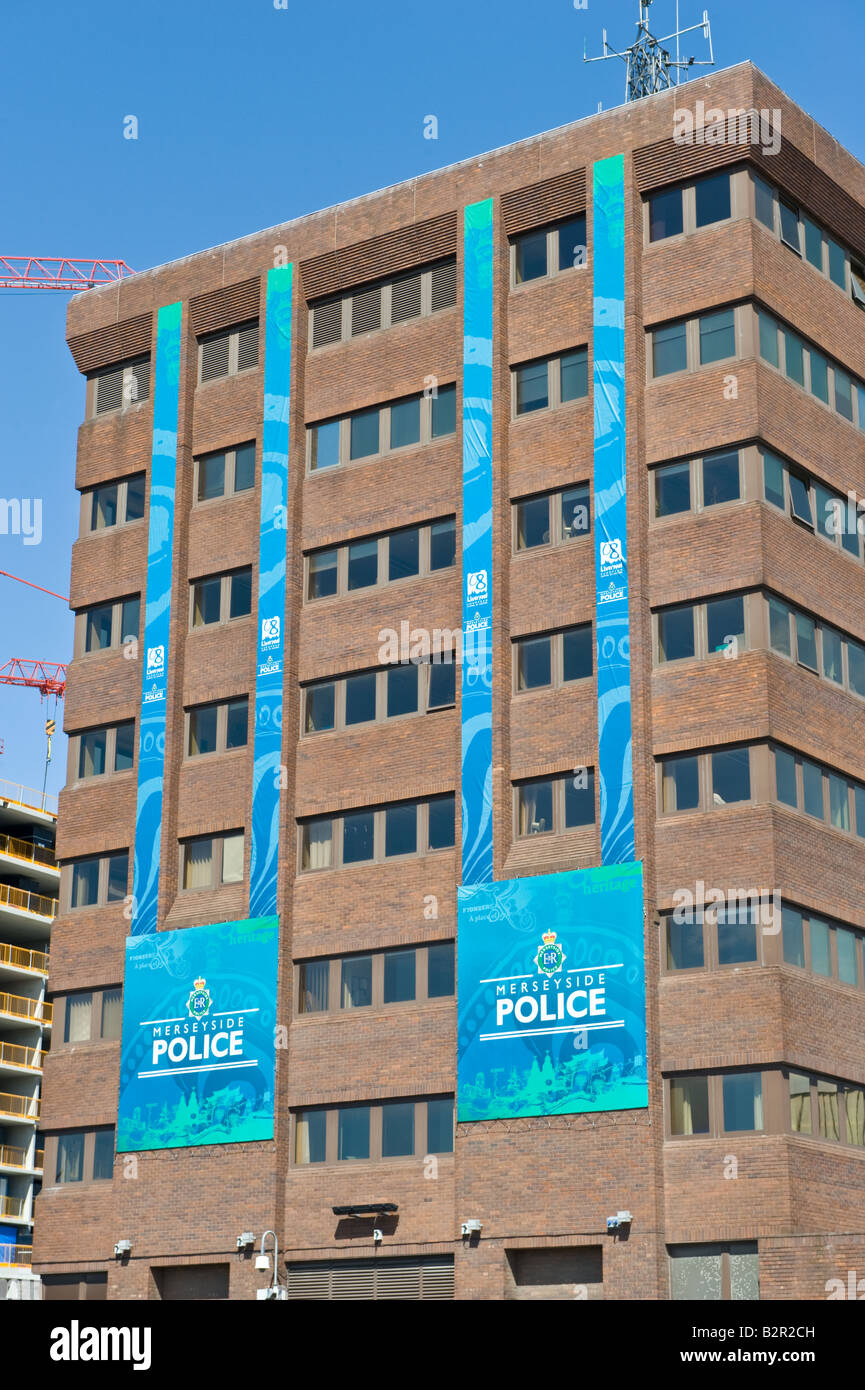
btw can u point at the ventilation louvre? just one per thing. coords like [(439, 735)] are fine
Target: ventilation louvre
[(140, 373), (327, 323), (366, 311), (247, 346), (373, 1280), (444, 285), (109, 391), (214, 356), (405, 298)]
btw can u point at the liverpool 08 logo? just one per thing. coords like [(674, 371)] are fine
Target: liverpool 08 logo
[(199, 1003), (550, 957)]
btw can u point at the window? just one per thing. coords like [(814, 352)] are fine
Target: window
[(97, 882), (703, 629), (712, 937), (811, 504), (227, 352), (666, 214), (672, 485), (383, 1131), (89, 1016), (407, 975), (726, 1103), (386, 693), (810, 369), (217, 727), (381, 429), (717, 336), (819, 792), (714, 1272), (225, 473), (795, 228), (699, 483), (220, 598), (702, 203), (409, 553), (106, 625), (409, 295), (117, 387), (80, 1155), (208, 861), (547, 252), (823, 1108), (822, 947), (113, 504), (554, 805), (669, 349), (553, 659), (105, 751), (376, 834), (551, 382), (552, 519), (704, 781)]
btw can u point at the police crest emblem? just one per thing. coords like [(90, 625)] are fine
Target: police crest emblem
[(550, 957), (199, 1002)]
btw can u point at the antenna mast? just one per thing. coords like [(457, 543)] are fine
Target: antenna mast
[(650, 66)]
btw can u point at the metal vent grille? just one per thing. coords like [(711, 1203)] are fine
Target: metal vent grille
[(109, 391), (214, 356), (366, 311), (405, 298), (327, 323), (247, 346), (372, 1280), (444, 285)]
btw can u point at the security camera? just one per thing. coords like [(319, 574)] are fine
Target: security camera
[(122, 1247), (262, 1262), (470, 1228), (377, 1236), (245, 1238)]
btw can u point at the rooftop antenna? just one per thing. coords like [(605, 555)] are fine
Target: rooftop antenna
[(650, 65)]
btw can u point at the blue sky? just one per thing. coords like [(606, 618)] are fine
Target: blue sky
[(249, 115)]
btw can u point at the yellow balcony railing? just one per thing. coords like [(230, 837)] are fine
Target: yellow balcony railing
[(22, 959), (33, 1010), (11, 1206), (16, 1255), (28, 796), (12, 1157), (25, 849), (39, 1159), (27, 902), (19, 1107), (16, 1056)]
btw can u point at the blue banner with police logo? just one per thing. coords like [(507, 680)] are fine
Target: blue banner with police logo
[(476, 683), (552, 1006), (197, 1060), (615, 759), (157, 621), (270, 660)]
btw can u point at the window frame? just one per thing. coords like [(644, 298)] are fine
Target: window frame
[(715, 1090), (217, 863), (751, 615), (62, 1004), (783, 330), (102, 900), (225, 577), (382, 540), (424, 669), (741, 330), (555, 500), (779, 196), (554, 381), (344, 460), (748, 483), (128, 396), (111, 770), (814, 1078), (827, 772), (377, 1002), (230, 490), (557, 680), (385, 288), (88, 1179), (739, 206), (86, 527), (232, 333), (758, 774), (221, 707), (117, 635), (331, 1159), (378, 812), (558, 827), (551, 231)]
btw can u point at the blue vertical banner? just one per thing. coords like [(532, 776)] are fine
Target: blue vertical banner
[(476, 684), (615, 758), (270, 661), (157, 622)]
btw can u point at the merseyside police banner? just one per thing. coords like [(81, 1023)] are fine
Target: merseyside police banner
[(198, 1053), (552, 1008)]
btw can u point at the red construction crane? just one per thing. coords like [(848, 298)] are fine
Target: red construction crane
[(48, 677), (59, 272)]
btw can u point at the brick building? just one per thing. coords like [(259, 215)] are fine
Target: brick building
[(744, 372)]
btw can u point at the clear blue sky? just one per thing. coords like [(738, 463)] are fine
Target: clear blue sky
[(250, 115)]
